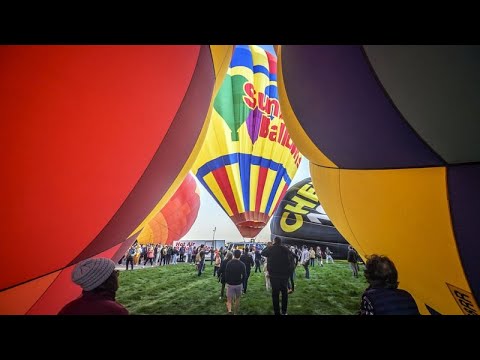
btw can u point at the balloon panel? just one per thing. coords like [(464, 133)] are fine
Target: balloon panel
[(87, 137), (397, 122), (301, 220), (176, 218)]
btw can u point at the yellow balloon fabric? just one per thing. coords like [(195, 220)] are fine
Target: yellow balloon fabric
[(389, 132)]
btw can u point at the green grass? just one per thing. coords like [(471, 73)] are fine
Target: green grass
[(177, 290)]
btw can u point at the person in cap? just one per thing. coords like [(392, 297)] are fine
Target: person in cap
[(99, 281)]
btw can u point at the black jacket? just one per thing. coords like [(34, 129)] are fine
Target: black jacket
[(279, 260), (235, 272)]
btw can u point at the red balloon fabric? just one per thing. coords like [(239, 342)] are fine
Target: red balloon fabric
[(176, 218), (87, 134)]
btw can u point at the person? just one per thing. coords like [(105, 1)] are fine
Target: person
[(279, 269), (248, 261), (305, 260), (383, 297), (352, 260), (99, 281), (235, 274), (328, 254), (221, 272), (201, 259)]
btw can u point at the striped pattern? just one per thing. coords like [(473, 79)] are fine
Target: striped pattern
[(248, 159)]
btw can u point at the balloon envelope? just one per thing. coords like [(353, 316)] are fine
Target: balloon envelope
[(248, 158), (87, 138), (391, 133), (176, 218), (301, 220)]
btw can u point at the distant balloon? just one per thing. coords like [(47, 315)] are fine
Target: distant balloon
[(87, 138), (248, 158), (391, 133), (176, 218), (301, 220)]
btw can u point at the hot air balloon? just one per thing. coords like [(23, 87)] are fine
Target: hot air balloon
[(248, 158), (176, 218), (391, 133), (87, 139), (301, 220)]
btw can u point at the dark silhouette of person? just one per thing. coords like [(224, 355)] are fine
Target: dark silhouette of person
[(383, 297), (279, 268), (248, 261)]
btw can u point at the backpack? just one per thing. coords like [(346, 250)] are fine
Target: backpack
[(132, 252)]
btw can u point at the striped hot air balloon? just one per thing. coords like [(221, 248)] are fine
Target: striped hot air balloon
[(248, 159)]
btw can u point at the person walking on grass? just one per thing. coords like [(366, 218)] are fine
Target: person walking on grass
[(235, 274), (248, 261), (221, 272), (352, 261), (279, 269)]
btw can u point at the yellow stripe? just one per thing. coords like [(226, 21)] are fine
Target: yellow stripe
[(233, 172), (271, 174), (276, 198), (254, 170), (259, 56), (243, 71)]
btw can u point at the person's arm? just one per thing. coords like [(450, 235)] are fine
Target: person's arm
[(265, 251)]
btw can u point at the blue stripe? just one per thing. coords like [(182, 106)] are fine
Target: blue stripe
[(242, 57), (246, 159), (276, 184), (262, 69), (272, 91), (245, 179)]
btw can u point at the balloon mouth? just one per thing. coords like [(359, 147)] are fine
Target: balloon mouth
[(250, 223)]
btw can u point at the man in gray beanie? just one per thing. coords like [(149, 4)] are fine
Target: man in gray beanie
[(99, 281)]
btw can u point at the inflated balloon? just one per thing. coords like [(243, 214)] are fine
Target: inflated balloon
[(176, 218), (87, 139), (248, 159), (391, 133), (301, 220)]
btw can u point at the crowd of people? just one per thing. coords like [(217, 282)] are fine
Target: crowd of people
[(161, 255), (98, 277)]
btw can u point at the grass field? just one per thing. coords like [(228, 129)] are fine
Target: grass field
[(177, 290)]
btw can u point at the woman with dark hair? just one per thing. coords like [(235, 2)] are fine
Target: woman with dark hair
[(383, 297)]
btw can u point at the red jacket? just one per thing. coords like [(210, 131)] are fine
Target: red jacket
[(90, 303)]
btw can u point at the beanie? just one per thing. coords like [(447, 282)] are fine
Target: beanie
[(92, 273)]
